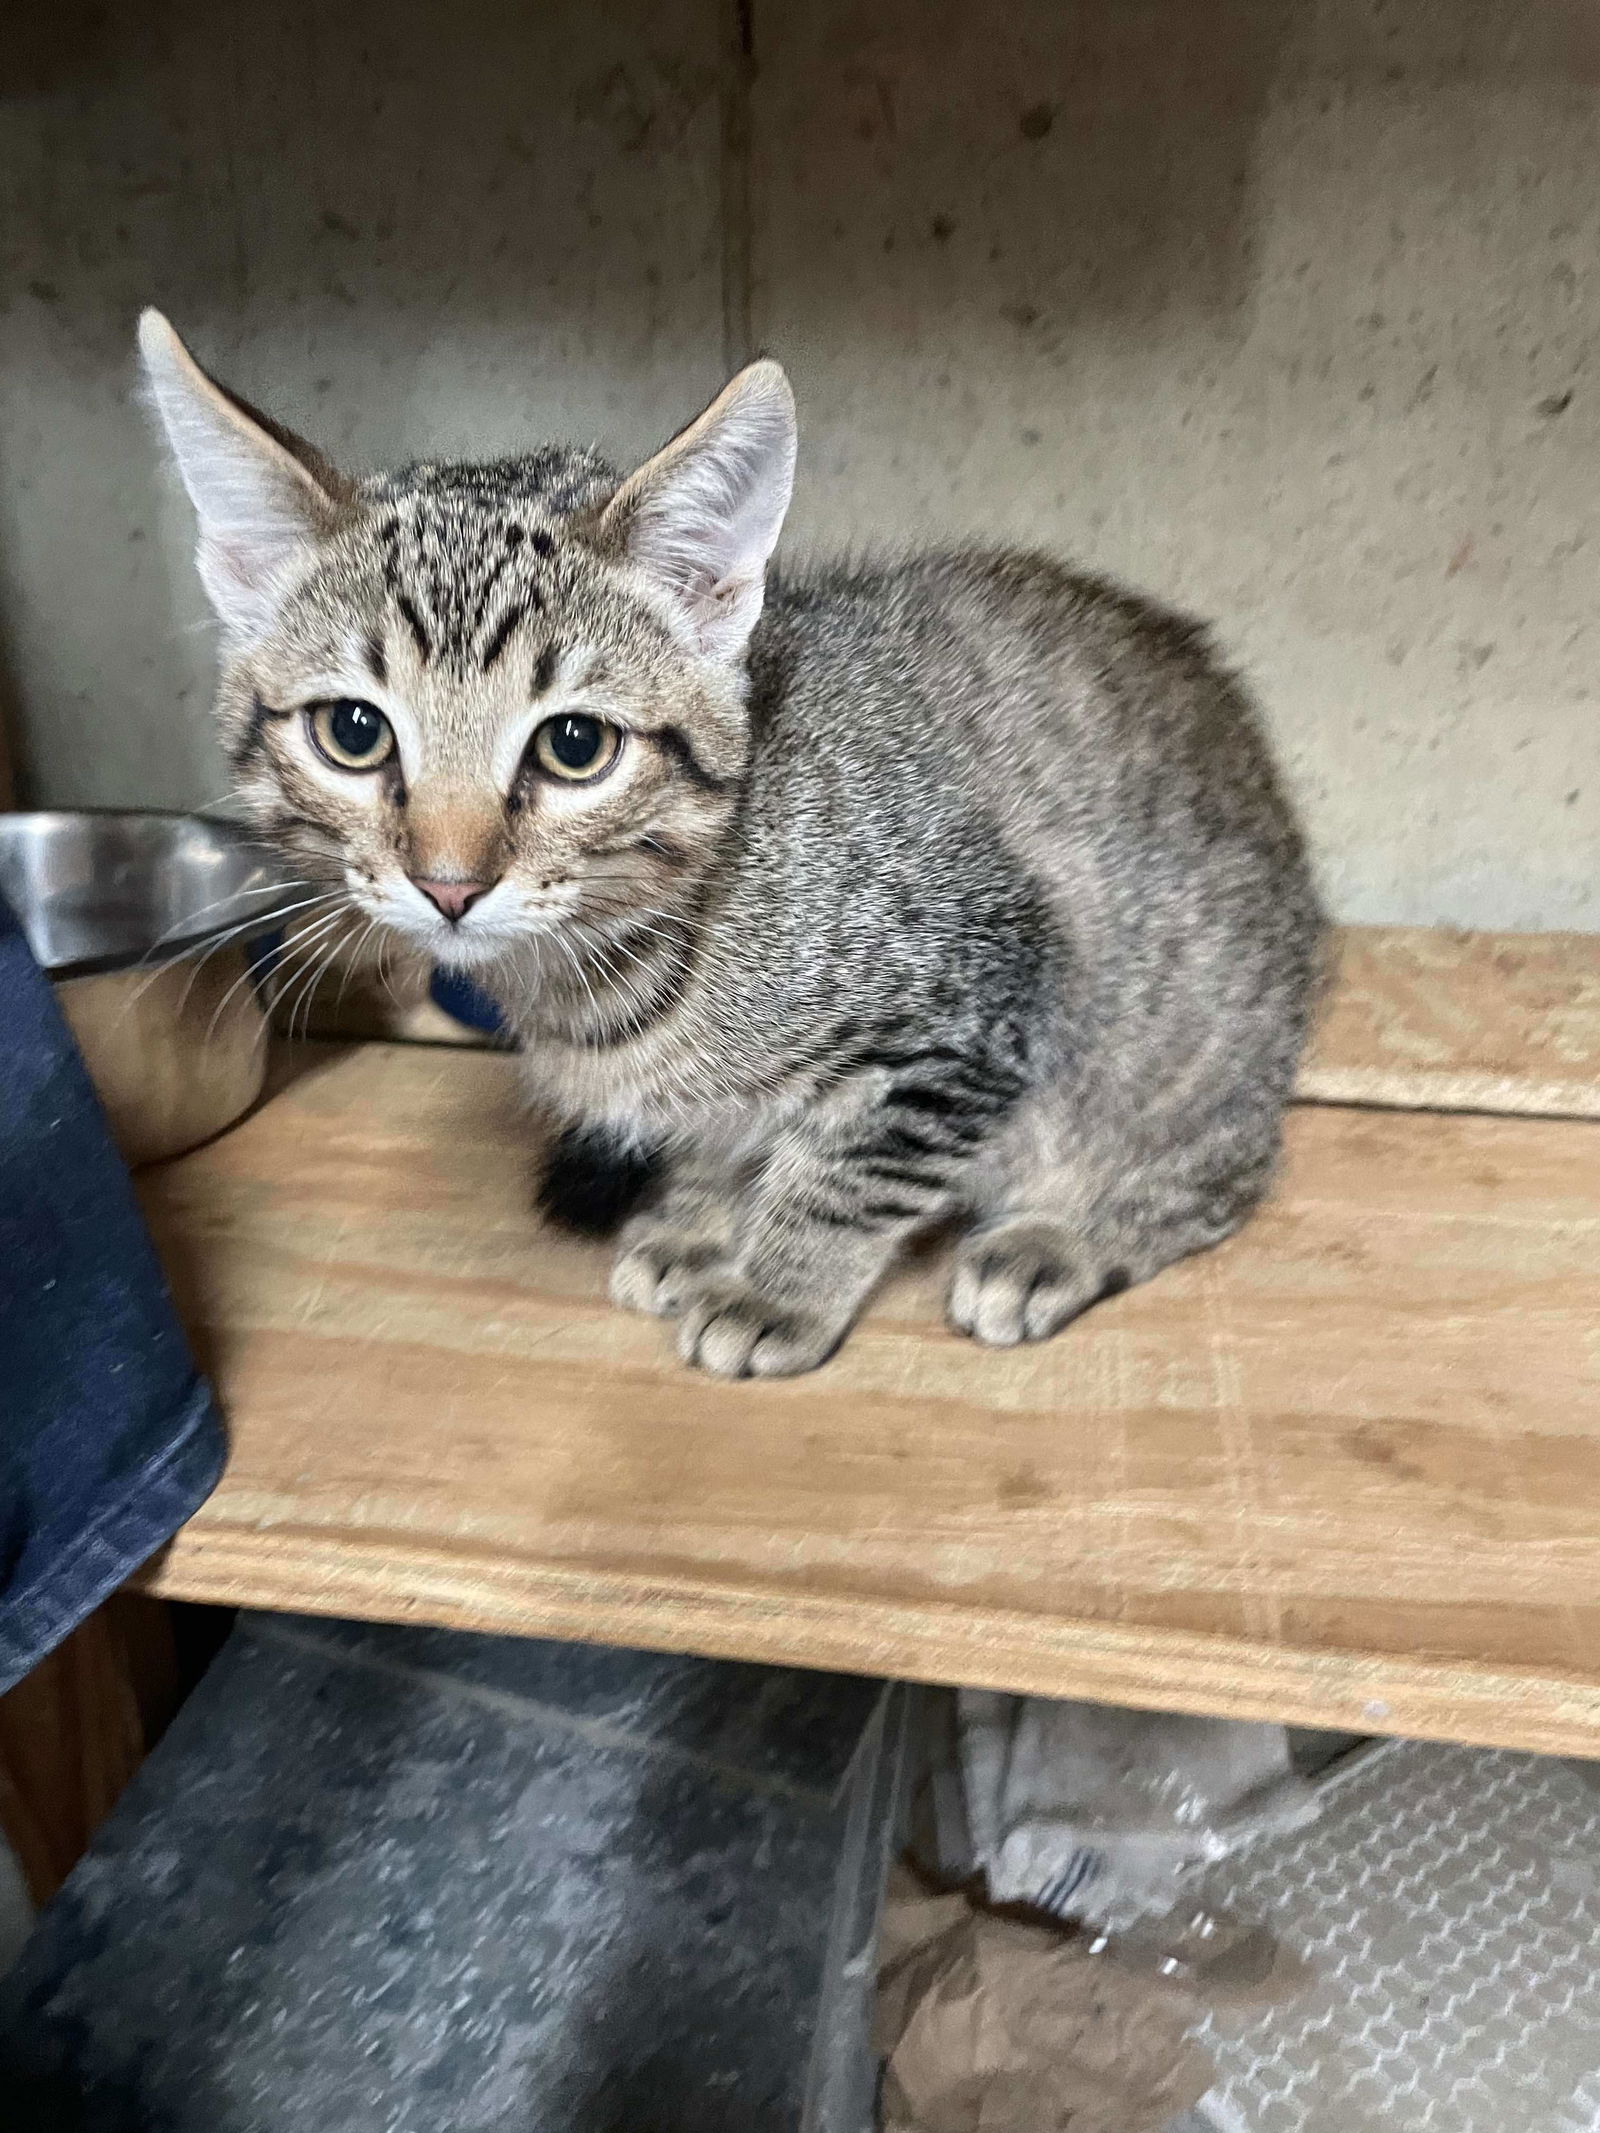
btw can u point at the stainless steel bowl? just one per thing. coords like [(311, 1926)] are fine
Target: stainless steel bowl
[(100, 890), (142, 921)]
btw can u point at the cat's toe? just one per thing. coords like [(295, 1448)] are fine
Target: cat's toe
[(658, 1271), (1024, 1284), (732, 1331)]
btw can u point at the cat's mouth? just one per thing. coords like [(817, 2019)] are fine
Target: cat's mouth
[(490, 927)]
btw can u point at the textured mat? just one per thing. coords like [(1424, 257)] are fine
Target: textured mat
[(1447, 1907)]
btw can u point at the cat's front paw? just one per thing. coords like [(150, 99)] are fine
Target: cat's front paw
[(731, 1330), (1024, 1282), (659, 1268)]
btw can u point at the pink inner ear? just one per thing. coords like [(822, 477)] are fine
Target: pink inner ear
[(240, 576), (233, 559)]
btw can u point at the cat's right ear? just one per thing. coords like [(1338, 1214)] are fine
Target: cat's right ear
[(702, 518), (262, 497)]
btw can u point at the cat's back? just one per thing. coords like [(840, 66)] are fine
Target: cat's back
[(1098, 731), (1048, 684)]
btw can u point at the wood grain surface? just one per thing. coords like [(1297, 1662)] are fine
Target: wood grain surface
[(1428, 1018), (1344, 1471)]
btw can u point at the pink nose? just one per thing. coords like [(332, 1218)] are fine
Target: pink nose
[(453, 898)]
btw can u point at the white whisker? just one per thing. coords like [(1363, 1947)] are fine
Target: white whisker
[(578, 972), (222, 940), (353, 962), (275, 990), (266, 888), (287, 999), (320, 963)]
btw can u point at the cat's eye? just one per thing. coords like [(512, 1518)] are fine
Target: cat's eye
[(576, 747), (352, 735)]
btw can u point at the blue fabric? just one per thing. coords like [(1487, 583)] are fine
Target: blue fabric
[(109, 1437), (464, 1001)]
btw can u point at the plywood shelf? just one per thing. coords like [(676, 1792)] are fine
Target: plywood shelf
[(1345, 1471), (1430, 1018)]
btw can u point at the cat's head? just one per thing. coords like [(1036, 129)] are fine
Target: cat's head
[(488, 701)]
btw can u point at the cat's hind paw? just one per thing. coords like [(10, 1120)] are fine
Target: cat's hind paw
[(1024, 1282)]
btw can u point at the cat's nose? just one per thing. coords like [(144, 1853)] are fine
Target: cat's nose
[(454, 898)]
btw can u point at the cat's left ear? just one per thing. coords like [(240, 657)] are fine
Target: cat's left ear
[(262, 496), (703, 517)]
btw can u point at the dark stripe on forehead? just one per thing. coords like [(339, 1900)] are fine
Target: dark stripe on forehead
[(487, 579), (413, 622), (377, 664), (458, 567), (398, 593), (530, 602), (502, 635)]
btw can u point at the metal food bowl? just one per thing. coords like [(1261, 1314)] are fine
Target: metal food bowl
[(143, 922), (100, 890)]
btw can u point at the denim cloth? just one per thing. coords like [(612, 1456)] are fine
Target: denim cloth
[(109, 1437)]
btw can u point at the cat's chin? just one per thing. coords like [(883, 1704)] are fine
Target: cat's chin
[(466, 949), (460, 951)]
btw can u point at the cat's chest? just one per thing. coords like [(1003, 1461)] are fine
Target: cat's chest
[(693, 1080), (700, 1060)]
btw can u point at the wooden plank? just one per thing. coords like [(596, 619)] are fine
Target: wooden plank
[(1429, 1018), (1343, 1471), (74, 1730)]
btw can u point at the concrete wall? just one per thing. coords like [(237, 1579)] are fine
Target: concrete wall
[(1285, 308)]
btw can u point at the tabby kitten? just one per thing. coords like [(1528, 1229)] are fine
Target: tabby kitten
[(958, 887)]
